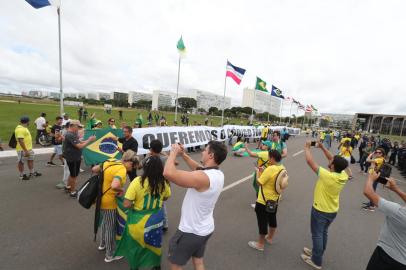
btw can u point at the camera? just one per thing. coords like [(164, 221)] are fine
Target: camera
[(385, 172), (313, 143)]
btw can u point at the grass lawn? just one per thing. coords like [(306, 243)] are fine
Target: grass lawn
[(11, 111)]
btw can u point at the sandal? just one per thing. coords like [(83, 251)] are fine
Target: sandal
[(254, 245)]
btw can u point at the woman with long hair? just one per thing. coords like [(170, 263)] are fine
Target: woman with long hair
[(346, 152), (142, 237)]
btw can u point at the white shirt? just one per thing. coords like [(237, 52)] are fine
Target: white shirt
[(65, 121), (198, 207), (40, 122)]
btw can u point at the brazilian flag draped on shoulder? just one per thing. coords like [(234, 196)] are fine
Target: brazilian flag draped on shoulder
[(104, 147), (141, 241)]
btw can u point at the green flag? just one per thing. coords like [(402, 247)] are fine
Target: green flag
[(314, 109), (261, 85), (141, 241), (104, 147), (181, 46)]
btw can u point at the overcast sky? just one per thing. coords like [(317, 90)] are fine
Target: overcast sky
[(342, 56)]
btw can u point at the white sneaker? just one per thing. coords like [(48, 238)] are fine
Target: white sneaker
[(113, 258), (253, 205), (308, 251), (81, 170), (308, 260), (101, 247)]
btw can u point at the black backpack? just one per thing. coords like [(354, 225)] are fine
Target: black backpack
[(88, 192), (13, 141)]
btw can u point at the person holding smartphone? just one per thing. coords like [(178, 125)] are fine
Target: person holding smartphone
[(376, 159), (390, 253), (326, 201)]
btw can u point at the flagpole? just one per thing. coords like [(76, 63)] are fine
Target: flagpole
[(297, 112), (280, 113), (224, 97), (290, 112), (270, 105), (177, 92), (60, 61), (252, 111)]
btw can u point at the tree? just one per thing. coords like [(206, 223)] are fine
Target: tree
[(213, 110), (186, 103)]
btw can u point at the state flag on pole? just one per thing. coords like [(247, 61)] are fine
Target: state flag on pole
[(261, 85), (38, 3), (234, 72), (308, 108), (301, 107), (181, 46), (313, 108), (276, 92)]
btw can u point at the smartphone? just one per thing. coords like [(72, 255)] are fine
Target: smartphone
[(382, 180), (313, 143)]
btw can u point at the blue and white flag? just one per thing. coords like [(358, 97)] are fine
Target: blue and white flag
[(38, 3), (276, 92)]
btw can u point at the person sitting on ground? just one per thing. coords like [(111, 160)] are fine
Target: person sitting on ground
[(268, 191), (238, 148), (390, 253), (114, 178), (326, 201), (112, 123)]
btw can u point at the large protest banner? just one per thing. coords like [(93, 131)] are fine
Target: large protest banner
[(104, 147)]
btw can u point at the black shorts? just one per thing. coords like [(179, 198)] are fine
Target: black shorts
[(183, 246), (74, 167), (382, 261), (265, 219)]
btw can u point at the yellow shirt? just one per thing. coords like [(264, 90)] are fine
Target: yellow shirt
[(343, 140), (267, 183), (22, 132), (376, 166), (357, 137), (141, 195), (322, 135), (264, 132), (328, 189), (263, 157), (114, 170), (345, 152)]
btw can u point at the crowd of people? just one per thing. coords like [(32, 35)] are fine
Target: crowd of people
[(147, 192)]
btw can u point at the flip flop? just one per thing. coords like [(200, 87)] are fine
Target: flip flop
[(253, 244)]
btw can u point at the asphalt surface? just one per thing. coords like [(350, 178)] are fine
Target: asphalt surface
[(42, 228)]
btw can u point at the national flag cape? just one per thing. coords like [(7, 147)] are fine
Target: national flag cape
[(234, 72), (104, 147), (181, 46), (38, 3), (141, 240), (260, 85), (276, 92)]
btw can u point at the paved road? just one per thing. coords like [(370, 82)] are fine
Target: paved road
[(42, 228)]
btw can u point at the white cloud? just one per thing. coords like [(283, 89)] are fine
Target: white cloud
[(341, 56)]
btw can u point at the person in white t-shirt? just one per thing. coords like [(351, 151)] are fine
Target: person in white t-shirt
[(65, 119), (204, 185), (40, 124)]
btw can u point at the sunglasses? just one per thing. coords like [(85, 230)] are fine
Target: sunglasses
[(378, 152)]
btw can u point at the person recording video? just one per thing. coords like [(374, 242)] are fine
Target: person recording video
[(390, 253)]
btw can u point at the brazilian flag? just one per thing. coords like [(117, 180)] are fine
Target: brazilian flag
[(104, 147), (141, 241)]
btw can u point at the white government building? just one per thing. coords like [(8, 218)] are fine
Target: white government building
[(264, 102), (137, 96), (162, 99)]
